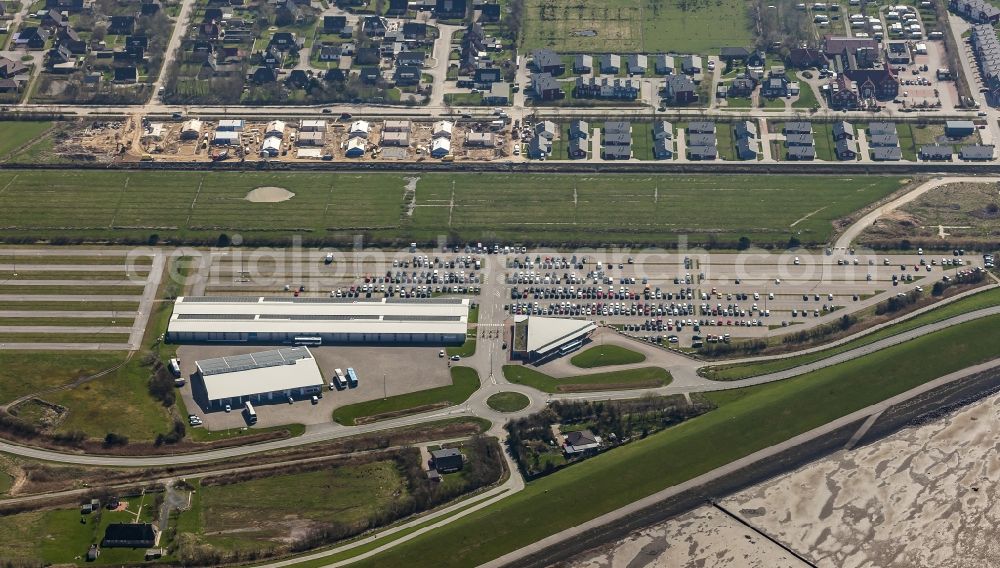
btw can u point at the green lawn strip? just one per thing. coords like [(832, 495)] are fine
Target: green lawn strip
[(825, 146), (467, 349), (632, 378), (975, 302), (47, 289), (46, 305), (605, 355), (15, 134), (508, 401), (474, 314), (381, 541), (9, 275), (746, 421), (203, 435), (62, 337), (23, 372), (26, 257), (48, 321), (465, 381), (807, 98)]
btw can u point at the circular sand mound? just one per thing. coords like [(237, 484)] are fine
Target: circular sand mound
[(269, 194)]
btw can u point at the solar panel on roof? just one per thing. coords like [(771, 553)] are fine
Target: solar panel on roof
[(210, 299), (215, 316), (404, 317), (259, 360)]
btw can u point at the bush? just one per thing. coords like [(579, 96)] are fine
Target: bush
[(113, 439)]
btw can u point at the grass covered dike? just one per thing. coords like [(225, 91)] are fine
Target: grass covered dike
[(645, 377), (746, 420)]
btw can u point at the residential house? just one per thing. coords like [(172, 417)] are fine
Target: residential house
[(443, 129), (368, 56), (499, 94), (359, 129), (450, 9), (334, 25), (846, 149), (797, 127), (400, 139), (546, 87), (607, 88), (976, 11), (746, 149), (32, 37), (730, 54), (547, 61), (407, 75), (8, 86), (490, 13), (59, 59), (799, 140), (691, 64), (701, 140), (663, 64), (581, 441), (397, 8), (609, 63), (801, 153), (578, 148), (745, 129), (329, 53), (129, 535), (149, 7), (447, 460), (10, 68), (486, 76), (663, 149), (742, 87), (270, 147), (397, 126), (806, 57), (663, 130), (617, 147), (883, 140), (701, 127), (976, 152), (936, 153), (959, 128), (636, 63), (842, 130), (283, 41), (886, 154), (121, 25), (71, 6), (701, 153), (480, 140), (71, 40), (841, 94), (679, 90), (374, 26), (539, 147), (355, 148), (579, 129), (876, 128), (414, 31), (774, 87), (264, 75), (298, 79), (370, 75), (53, 19), (231, 125), (583, 64), (126, 75), (546, 129)]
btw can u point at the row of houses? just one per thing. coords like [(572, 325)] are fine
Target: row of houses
[(701, 141), (976, 11), (548, 61), (986, 48), (746, 134)]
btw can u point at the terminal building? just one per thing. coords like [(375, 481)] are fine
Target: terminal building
[(261, 378), (537, 338), (288, 320)]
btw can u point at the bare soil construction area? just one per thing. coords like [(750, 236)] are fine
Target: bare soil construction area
[(923, 497), (269, 194), (967, 212)]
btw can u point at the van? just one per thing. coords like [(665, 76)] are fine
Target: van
[(175, 367)]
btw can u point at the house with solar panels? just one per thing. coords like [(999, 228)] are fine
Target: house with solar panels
[(261, 378)]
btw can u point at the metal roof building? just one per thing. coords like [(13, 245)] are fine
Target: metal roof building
[(537, 337), (286, 320), (260, 377)]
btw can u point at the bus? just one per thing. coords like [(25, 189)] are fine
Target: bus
[(570, 347), (338, 381), (249, 413), (308, 340), (352, 377)]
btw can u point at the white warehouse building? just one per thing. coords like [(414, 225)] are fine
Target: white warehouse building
[(316, 321), (262, 377)]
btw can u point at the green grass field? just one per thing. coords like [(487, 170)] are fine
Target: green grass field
[(985, 299), (465, 381), (23, 373), (15, 134), (645, 377), (241, 515), (467, 349), (605, 355), (508, 401), (746, 421), (683, 26), (606, 209)]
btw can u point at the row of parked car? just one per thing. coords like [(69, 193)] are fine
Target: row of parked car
[(394, 291)]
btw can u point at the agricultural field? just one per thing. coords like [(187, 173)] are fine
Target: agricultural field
[(14, 135), (199, 207), (745, 420), (623, 26)]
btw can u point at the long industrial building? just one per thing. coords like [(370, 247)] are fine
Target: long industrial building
[(317, 321), (266, 376)]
